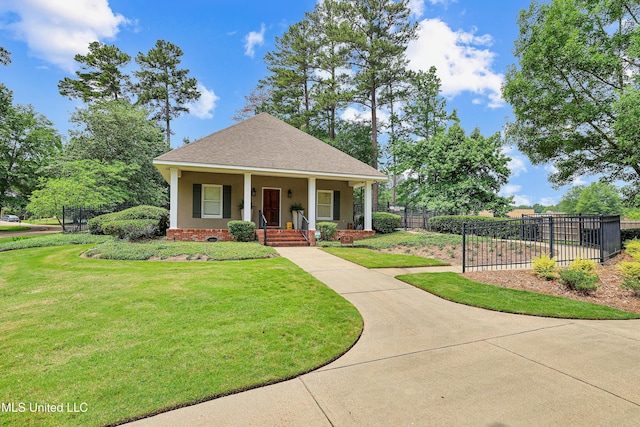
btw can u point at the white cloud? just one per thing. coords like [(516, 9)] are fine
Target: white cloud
[(203, 108), (58, 30), (578, 181), (549, 201), (463, 60), (518, 199), (252, 40), (509, 189), (353, 114), (417, 7), (442, 1), (517, 166), (521, 200)]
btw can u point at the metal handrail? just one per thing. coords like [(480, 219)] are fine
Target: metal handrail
[(263, 225), (304, 225)]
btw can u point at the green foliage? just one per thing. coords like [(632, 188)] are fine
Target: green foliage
[(629, 234), (100, 76), (383, 222), (631, 276), (327, 230), (162, 86), (242, 231), (53, 240), (452, 172), (28, 142), (452, 224), (597, 198), (573, 92), (545, 267), (296, 207), (632, 247), (587, 266), (118, 131), (131, 229), (159, 216), (578, 280), (5, 56), (162, 249), (82, 183)]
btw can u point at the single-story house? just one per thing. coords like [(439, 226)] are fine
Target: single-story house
[(271, 164)]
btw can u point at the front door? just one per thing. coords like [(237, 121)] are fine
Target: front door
[(271, 206)]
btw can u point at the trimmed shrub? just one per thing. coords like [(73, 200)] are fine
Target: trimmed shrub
[(327, 230), (631, 276), (579, 280), (131, 229), (385, 223), (586, 266), (159, 215), (629, 234), (632, 247), (452, 224), (545, 267), (242, 231)]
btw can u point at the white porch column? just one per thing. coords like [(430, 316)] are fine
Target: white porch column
[(173, 199), (247, 197), (368, 223), (312, 203)]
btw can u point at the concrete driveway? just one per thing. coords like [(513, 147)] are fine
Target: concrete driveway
[(425, 361)]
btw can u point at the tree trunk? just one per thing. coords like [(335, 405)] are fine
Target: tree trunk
[(374, 144)]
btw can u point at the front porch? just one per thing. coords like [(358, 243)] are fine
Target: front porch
[(203, 202)]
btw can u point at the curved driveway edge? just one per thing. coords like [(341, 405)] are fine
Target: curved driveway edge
[(422, 360)]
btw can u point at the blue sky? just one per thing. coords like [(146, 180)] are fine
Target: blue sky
[(224, 41)]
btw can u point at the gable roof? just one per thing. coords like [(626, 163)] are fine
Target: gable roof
[(265, 143)]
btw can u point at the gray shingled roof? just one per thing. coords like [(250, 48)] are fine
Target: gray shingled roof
[(265, 142)]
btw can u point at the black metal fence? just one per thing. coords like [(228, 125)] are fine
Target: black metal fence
[(514, 243), (410, 216), (74, 219)]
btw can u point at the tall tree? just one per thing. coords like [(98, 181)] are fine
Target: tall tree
[(100, 77), (424, 117), (28, 141), (118, 131), (162, 85), (597, 198), (578, 67), (292, 74), (378, 36), (331, 60), (254, 103), (463, 173)]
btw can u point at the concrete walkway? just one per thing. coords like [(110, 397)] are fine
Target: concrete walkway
[(423, 361)]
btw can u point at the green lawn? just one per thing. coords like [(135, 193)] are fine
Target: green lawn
[(453, 287), (130, 338), (373, 259), (402, 238), (46, 221), (12, 228)]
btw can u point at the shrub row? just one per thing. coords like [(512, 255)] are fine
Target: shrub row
[(385, 223), (452, 224), (133, 223), (631, 270), (327, 230), (580, 276), (629, 234)]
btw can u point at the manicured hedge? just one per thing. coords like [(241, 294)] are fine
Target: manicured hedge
[(327, 230), (131, 229), (384, 223), (159, 215), (452, 224), (242, 231), (629, 234)]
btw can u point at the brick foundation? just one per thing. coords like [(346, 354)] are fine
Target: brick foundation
[(198, 234)]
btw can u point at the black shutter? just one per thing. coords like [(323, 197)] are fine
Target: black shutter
[(197, 200), (226, 201), (336, 205)]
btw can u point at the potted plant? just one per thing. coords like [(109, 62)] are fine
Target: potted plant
[(241, 207), (295, 207)]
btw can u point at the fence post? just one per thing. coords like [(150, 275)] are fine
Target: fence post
[(406, 218), (464, 246), (550, 236), (601, 238)]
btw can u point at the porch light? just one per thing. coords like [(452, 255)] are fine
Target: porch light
[(289, 194), (253, 192)]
